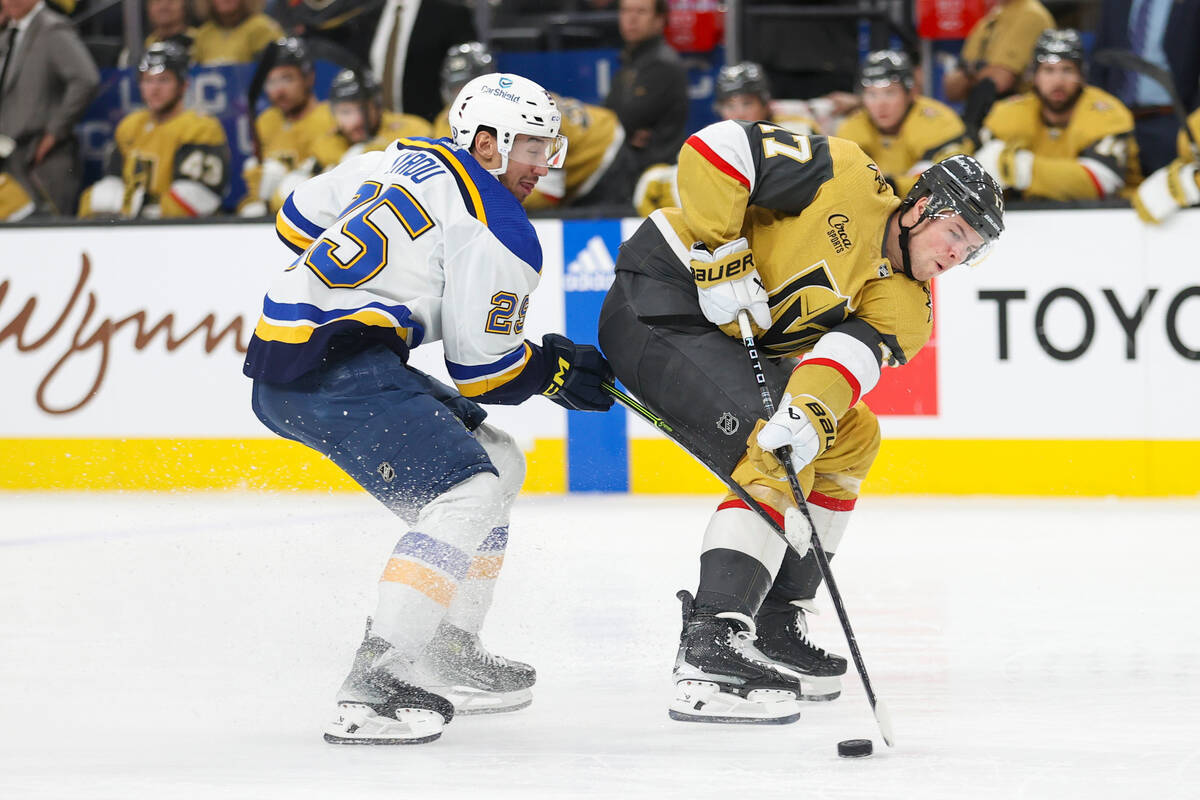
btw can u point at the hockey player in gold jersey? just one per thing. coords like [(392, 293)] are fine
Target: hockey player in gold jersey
[(235, 33), (743, 92), (167, 161), (1176, 185), (1064, 140), (902, 130), (804, 234), (362, 126), (287, 130)]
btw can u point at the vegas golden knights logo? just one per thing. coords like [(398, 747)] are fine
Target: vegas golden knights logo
[(811, 306)]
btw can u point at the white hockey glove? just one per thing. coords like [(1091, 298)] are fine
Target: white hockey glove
[(727, 282), (108, 195), (1012, 167), (273, 171), (1167, 190), (809, 429)]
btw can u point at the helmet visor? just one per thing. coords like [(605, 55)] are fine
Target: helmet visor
[(539, 151)]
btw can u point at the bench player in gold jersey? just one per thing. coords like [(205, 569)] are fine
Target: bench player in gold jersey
[(1064, 140), (1176, 185), (235, 32), (804, 234), (902, 130), (743, 92), (167, 161), (361, 124), (286, 130)]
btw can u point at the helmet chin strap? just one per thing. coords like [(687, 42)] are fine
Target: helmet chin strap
[(503, 164), (905, 230)]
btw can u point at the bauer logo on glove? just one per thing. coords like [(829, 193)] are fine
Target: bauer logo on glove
[(732, 267)]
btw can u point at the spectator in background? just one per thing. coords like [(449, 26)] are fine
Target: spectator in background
[(649, 92), (1176, 185), (168, 21), (233, 32), (288, 129), (743, 92), (904, 132), (1064, 140), (409, 44), (167, 161), (47, 80), (995, 54), (1165, 33), (463, 63), (362, 126)]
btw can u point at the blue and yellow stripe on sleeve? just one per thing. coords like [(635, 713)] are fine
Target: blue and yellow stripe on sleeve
[(294, 229), (508, 380)]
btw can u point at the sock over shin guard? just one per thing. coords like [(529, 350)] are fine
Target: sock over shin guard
[(740, 557)]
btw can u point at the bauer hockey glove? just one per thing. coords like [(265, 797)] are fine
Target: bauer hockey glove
[(727, 282), (808, 428), (1167, 190), (577, 375), (1012, 167)]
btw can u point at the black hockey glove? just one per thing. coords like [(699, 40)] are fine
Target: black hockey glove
[(576, 374)]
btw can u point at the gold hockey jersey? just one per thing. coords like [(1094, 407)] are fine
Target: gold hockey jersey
[(328, 150), (1185, 144), (286, 141), (178, 168), (1095, 155), (815, 212), (237, 45), (594, 135), (929, 132), (1006, 36)]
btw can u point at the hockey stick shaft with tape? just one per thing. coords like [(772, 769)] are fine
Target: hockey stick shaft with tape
[(784, 454)]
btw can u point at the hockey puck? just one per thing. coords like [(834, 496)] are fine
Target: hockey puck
[(855, 748)]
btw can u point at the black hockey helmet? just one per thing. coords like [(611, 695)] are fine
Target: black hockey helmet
[(463, 63), (958, 185), (165, 56), (885, 67), (354, 85), (1058, 45), (291, 51), (744, 78)]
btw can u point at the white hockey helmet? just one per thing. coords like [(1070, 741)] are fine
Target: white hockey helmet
[(511, 105)]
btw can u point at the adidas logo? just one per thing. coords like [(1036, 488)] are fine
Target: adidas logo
[(592, 270)]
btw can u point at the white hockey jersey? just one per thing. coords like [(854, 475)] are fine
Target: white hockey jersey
[(412, 244)]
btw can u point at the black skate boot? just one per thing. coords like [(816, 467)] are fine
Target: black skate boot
[(458, 666), (715, 681), (783, 643), (376, 706)]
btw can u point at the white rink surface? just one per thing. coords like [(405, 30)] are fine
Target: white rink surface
[(188, 646)]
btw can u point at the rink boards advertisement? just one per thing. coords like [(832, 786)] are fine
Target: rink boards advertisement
[(1068, 363)]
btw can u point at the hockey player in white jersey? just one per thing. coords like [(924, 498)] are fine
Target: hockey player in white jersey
[(424, 241)]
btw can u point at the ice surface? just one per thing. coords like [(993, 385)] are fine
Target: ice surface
[(188, 646)]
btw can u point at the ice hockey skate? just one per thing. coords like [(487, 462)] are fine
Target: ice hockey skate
[(716, 681), (458, 667), (376, 706), (783, 643)]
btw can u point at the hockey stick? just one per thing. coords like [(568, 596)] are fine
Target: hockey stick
[(790, 533), (784, 454), (1132, 62)]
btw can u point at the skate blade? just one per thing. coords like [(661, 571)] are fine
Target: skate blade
[(469, 702), (332, 739), (704, 701)]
